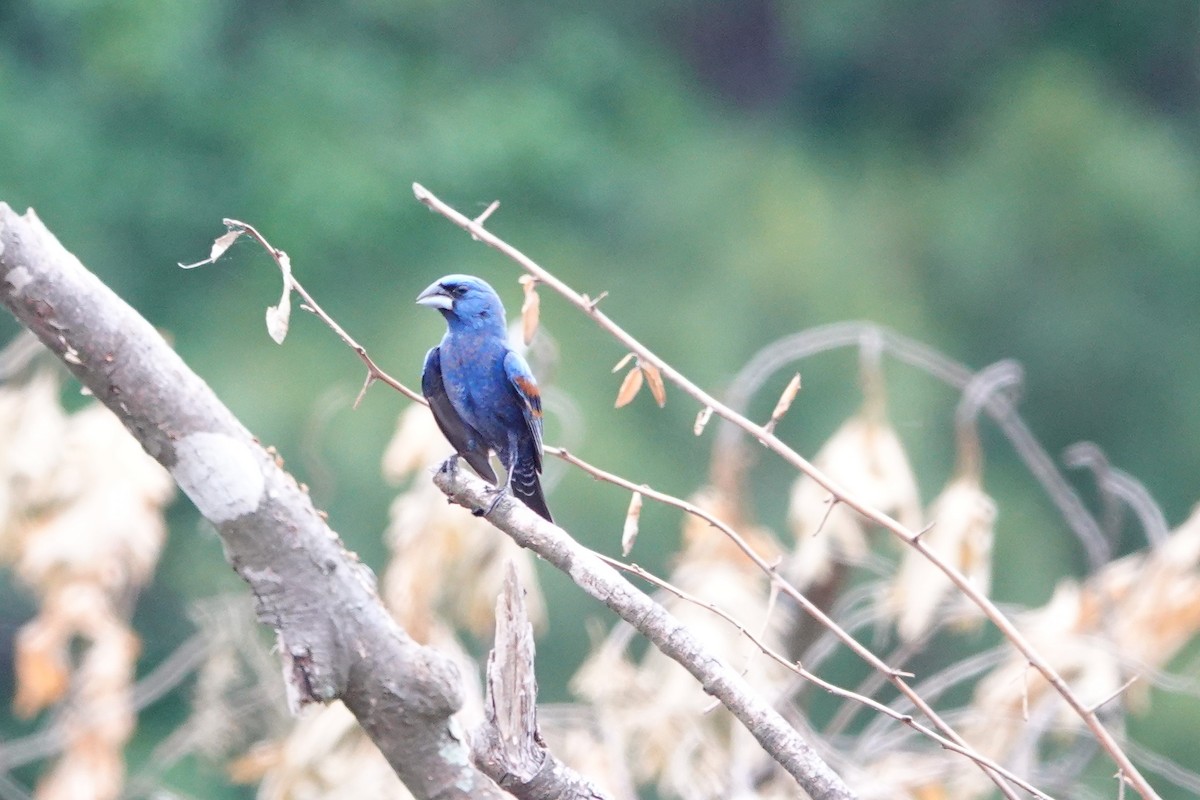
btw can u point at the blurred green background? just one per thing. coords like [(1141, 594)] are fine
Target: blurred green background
[(999, 179)]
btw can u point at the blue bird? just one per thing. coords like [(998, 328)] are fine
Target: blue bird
[(481, 391)]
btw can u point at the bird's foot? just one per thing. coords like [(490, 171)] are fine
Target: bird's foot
[(499, 495), (449, 466)]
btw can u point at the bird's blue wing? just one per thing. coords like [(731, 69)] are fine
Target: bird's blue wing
[(526, 388), (466, 440)]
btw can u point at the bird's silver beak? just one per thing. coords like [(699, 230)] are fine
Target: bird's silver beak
[(436, 297)]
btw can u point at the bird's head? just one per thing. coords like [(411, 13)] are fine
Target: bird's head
[(465, 301)]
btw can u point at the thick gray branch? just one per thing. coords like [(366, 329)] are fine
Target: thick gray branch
[(510, 748), (657, 624), (337, 639)]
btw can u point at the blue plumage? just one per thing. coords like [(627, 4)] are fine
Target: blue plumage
[(481, 391)]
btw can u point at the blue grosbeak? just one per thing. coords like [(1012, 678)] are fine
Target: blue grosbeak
[(481, 392)]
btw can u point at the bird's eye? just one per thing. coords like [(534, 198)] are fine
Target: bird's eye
[(458, 291)]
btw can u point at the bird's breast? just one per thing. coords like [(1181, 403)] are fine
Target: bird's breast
[(473, 373)]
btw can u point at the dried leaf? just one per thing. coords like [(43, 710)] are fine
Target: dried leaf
[(1139, 609), (415, 445), (785, 401), (655, 382), (648, 700), (867, 457), (103, 484), (223, 243), (278, 316), (219, 246), (326, 755), (629, 387), (40, 665), (621, 364), (529, 308), (255, 763), (963, 517), (702, 419), (88, 768), (444, 569), (630, 531), (32, 426)]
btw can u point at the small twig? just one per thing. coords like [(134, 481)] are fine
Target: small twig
[(893, 675), (1115, 693), (1000, 407), (374, 373), (487, 212), (600, 580), (924, 530), (792, 457), (845, 715), (833, 501), (983, 761)]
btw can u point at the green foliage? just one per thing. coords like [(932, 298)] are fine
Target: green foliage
[(1000, 182)]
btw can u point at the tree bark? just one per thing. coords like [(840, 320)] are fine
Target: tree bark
[(510, 747), (336, 638)]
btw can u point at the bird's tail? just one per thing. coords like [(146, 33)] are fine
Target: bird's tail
[(525, 483)]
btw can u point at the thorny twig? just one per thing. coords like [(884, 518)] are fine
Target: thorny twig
[(987, 764), (1126, 767), (336, 638), (796, 761), (894, 676), (374, 373), (781, 740), (1000, 406)]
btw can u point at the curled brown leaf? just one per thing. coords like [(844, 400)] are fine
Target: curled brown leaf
[(629, 387), (655, 381), (219, 246), (530, 308), (630, 531), (785, 401)]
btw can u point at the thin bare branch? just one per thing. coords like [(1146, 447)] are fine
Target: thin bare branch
[(895, 676), (676, 641), (983, 761), (374, 373), (1001, 407), (1114, 694), (1120, 486), (789, 455)]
